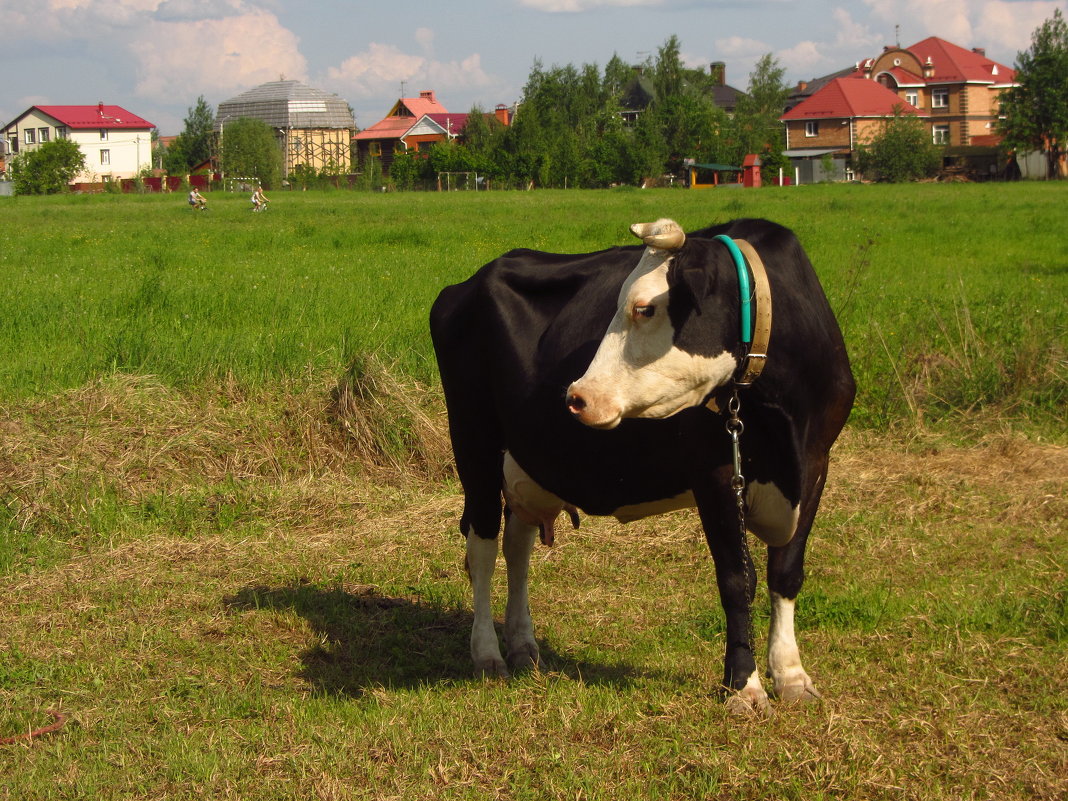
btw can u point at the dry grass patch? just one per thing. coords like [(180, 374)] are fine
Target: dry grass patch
[(243, 608)]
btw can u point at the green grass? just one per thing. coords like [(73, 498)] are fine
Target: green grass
[(229, 540), (951, 297)]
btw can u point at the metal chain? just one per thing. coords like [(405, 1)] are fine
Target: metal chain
[(735, 427)]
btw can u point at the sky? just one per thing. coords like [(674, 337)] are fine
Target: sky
[(156, 57)]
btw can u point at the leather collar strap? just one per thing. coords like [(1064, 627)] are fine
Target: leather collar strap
[(757, 335)]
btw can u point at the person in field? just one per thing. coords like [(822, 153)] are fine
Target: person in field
[(196, 200), (259, 200)]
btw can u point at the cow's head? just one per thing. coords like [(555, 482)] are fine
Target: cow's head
[(667, 346)]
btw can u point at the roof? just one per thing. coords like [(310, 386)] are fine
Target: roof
[(808, 88), (389, 128), (99, 115), (426, 103), (287, 104), (406, 113), (954, 64), (849, 97), (450, 123)]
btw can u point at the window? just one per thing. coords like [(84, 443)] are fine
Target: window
[(940, 98), (940, 134), (30, 136), (375, 149), (812, 128), (912, 97), (61, 132), (103, 134), (105, 156), (42, 135)]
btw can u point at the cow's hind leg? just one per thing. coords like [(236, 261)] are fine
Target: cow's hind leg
[(786, 574), (485, 651), (522, 648)]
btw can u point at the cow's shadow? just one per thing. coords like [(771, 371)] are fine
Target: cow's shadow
[(368, 640)]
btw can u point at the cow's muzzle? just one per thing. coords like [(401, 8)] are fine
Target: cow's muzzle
[(586, 413)]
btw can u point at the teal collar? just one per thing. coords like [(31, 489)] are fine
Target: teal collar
[(743, 287)]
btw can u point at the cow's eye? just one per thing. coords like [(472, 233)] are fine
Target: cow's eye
[(644, 311)]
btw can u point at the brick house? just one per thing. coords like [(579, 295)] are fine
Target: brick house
[(953, 89)]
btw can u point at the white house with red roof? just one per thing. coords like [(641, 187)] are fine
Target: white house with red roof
[(116, 143), (954, 90)]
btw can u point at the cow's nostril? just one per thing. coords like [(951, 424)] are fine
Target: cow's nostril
[(576, 404)]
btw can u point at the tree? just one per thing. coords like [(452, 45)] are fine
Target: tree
[(756, 127), (250, 150), (901, 151), (47, 169), (1035, 111), (196, 143)]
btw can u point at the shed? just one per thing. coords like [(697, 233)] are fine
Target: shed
[(314, 128)]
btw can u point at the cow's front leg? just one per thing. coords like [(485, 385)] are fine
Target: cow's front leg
[(736, 579), (485, 651), (522, 648)]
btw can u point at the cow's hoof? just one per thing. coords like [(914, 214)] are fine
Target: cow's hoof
[(798, 692), (795, 686), (749, 702), (524, 658), (491, 669)]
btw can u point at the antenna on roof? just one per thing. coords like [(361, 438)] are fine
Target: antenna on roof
[(402, 88), (897, 36)]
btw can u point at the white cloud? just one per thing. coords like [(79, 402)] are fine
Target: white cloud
[(365, 74), (574, 6), (1007, 27), (852, 34), (220, 55), (741, 47), (948, 19), (803, 57), (425, 38)]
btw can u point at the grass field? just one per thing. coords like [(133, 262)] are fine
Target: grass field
[(228, 536)]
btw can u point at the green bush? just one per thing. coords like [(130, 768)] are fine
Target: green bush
[(902, 151), (47, 169)]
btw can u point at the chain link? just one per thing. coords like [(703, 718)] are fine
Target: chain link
[(735, 427)]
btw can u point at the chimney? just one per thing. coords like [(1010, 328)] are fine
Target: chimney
[(928, 68), (100, 108), (718, 71), (501, 113), (801, 86), (427, 94), (980, 50)]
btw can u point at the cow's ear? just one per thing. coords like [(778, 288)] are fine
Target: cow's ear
[(690, 274)]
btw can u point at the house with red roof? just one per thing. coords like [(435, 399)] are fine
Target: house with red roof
[(414, 123), (385, 137), (116, 143), (954, 90)]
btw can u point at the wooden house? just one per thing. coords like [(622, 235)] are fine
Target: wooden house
[(414, 124)]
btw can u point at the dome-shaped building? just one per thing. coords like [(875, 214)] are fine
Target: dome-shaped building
[(313, 127)]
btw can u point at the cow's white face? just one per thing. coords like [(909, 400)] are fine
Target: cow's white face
[(638, 371)]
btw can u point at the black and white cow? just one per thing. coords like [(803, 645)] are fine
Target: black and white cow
[(593, 382)]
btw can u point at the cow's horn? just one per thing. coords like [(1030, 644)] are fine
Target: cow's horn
[(663, 234)]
